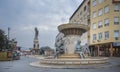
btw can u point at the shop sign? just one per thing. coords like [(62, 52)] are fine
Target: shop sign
[(116, 43)]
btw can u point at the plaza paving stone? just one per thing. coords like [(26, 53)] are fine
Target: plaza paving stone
[(23, 65)]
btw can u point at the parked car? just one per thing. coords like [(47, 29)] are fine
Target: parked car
[(16, 55)]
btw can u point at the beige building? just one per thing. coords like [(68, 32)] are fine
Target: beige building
[(103, 18), (105, 27)]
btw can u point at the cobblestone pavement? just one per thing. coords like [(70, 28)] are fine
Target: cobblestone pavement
[(23, 65)]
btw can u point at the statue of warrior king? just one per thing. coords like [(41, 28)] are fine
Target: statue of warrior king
[(36, 33)]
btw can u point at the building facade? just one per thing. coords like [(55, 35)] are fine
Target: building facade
[(105, 27), (103, 18)]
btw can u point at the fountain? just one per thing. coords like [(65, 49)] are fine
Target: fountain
[(69, 51)]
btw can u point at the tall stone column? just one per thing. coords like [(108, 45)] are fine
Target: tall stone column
[(36, 42)]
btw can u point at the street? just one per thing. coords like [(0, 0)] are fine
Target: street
[(23, 65)]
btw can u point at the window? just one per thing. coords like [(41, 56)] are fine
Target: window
[(94, 36), (99, 24), (106, 9), (99, 36), (88, 6), (81, 13), (100, 1), (94, 26), (84, 8), (94, 14), (80, 19), (99, 12), (94, 3), (116, 7), (116, 33), (106, 34), (106, 22), (116, 20)]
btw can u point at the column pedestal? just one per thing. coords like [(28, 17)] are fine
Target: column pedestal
[(36, 47)]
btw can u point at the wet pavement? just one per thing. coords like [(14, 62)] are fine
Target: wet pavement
[(23, 65)]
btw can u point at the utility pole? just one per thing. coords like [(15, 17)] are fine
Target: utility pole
[(8, 33), (8, 38)]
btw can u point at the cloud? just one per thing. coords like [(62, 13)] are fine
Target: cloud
[(40, 27), (22, 16)]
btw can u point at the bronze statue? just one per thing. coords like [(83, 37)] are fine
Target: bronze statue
[(79, 49), (36, 33)]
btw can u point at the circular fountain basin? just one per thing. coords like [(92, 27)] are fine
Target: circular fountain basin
[(74, 61), (73, 29)]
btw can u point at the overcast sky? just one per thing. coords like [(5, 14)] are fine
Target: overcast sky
[(22, 16)]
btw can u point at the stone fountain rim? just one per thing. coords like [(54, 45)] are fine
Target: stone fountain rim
[(73, 65), (74, 61), (73, 25), (100, 58)]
